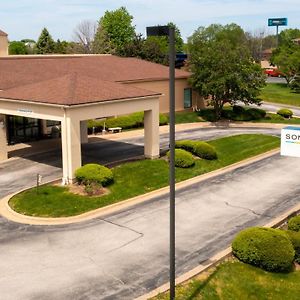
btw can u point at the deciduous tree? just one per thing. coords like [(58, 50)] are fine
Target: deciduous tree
[(222, 67)]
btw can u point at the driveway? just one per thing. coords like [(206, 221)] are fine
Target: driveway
[(124, 255), (21, 173)]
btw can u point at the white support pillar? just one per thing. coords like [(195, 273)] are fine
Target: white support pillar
[(3, 138), (151, 129), (71, 147), (44, 127), (84, 132)]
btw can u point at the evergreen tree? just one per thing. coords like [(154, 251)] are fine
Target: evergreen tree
[(45, 43)]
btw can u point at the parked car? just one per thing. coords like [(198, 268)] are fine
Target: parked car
[(273, 72)]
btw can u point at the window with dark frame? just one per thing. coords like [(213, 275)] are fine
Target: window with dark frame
[(188, 98)]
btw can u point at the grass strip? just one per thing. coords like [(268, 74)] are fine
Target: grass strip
[(137, 178), (236, 280), (280, 93)]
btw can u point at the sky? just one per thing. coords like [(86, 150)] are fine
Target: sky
[(26, 18)]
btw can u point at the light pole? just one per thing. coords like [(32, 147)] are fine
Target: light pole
[(170, 32)]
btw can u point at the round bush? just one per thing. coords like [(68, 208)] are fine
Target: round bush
[(183, 159), (295, 239), (267, 248), (284, 112), (90, 173), (204, 150), (256, 113), (294, 223), (198, 148), (238, 109)]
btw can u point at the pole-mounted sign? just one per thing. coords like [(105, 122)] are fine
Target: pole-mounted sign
[(290, 141), (277, 22)]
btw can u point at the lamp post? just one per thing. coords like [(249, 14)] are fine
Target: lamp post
[(170, 32)]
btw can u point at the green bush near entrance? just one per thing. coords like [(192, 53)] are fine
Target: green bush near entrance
[(183, 159), (294, 223), (295, 239), (267, 248), (135, 120), (198, 148), (137, 178), (94, 173)]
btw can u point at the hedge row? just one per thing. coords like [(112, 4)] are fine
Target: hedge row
[(198, 148), (134, 120), (235, 113)]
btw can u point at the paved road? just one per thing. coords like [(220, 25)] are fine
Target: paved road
[(275, 107), (21, 173), (276, 80), (125, 255)]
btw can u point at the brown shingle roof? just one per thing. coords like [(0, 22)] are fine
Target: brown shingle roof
[(2, 33), (74, 89), (25, 70)]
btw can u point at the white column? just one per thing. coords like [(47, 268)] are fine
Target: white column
[(151, 130), (83, 132), (3, 139), (71, 147), (44, 127)]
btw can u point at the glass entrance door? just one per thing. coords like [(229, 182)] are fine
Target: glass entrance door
[(22, 129)]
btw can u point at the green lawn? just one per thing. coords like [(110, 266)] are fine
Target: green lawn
[(136, 178), (234, 280), (280, 93)]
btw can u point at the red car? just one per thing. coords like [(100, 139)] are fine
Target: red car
[(273, 73)]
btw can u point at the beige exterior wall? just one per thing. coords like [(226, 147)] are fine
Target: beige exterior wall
[(3, 46), (162, 86)]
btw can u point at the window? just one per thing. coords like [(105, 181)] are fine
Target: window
[(187, 98)]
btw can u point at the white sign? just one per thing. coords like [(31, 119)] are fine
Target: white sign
[(290, 141), (25, 110)]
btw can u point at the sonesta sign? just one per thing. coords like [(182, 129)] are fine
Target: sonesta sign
[(290, 141)]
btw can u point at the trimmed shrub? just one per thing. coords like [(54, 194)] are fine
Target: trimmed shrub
[(135, 120), (183, 159), (163, 119), (238, 109), (94, 173), (295, 239), (207, 115), (256, 113), (294, 223), (204, 150), (198, 148), (267, 248), (284, 112)]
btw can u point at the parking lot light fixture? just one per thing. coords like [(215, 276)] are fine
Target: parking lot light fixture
[(170, 32)]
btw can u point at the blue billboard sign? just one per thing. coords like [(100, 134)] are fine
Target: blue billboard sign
[(277, 22)]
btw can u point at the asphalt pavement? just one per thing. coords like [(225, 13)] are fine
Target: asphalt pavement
[(125, 255), (20, 173)]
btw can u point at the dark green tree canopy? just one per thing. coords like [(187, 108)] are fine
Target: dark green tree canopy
[(287, 56), (222, 67), (115, 30), (45, 43), (16, 47)]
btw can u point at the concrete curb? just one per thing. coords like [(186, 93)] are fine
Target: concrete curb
[(10, 214), (217, 258)]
